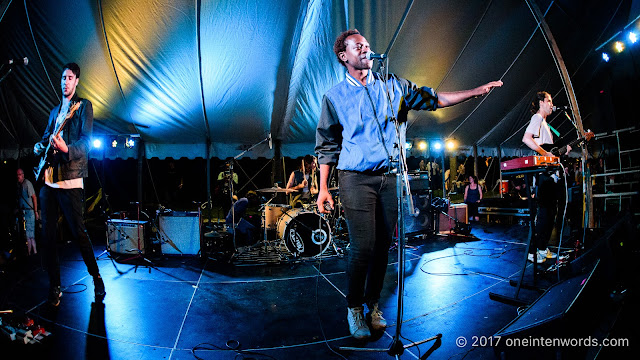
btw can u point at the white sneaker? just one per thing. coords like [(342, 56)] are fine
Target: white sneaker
[(548, 254), (357, 326), (375, 318), (540, 258)]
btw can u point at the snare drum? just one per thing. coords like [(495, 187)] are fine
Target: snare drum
[(304, 233), (272, 213)]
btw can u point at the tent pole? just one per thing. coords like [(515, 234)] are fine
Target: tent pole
[(141, 155), (500, 170), (208, 155), (277, 167), (475, 160)]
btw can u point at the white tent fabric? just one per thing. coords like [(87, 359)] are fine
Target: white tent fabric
[(185, 75)]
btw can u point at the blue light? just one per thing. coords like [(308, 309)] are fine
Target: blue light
[(605, 57), (408, 145), (97, 143), (633, 37), (437, 145)]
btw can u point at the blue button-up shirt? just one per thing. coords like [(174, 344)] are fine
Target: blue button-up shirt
[(355, 129)]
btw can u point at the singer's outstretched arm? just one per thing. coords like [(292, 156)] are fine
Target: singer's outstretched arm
[(452, 98)]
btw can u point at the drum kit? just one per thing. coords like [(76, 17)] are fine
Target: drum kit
[(303, 232)]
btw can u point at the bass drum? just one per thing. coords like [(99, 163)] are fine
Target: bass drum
[(305, 234)]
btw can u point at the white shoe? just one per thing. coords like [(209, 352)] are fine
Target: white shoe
[(548, 254), (357, 326), (375, 318), (540, 258)]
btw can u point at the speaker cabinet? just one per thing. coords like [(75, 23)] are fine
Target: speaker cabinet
[(126, 236), (421, 222), (180, 233)]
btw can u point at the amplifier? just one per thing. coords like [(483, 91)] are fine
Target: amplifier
[(126, 236), (179, 233), (419, 181), (458, 212)]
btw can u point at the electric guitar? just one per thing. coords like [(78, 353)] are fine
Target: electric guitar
[(45, 161), (563, 150)]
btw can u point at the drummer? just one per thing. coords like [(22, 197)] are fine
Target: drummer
[(304, 182)]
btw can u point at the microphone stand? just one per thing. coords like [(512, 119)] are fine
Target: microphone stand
[(396, 348), (233, 212), (140, 254)]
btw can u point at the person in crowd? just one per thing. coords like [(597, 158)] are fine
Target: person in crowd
[(472, 197), (27, 210)]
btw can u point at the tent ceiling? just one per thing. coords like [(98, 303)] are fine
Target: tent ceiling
[(185, 73)]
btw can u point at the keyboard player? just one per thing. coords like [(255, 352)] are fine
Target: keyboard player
[(550, 186)]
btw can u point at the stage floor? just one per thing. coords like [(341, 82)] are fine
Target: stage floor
[(167, 309)]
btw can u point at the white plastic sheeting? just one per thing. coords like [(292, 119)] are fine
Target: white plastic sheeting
[(184, 74)]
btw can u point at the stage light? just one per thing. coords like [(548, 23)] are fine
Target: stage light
[(605, 57), (422, 145), (619, 46), (97, 143), (633, 37), (114, 143), (437, 145), (451, 144), (130, 143), (408, 145)]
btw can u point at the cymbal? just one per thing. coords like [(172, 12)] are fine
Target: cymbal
[(275, 190)]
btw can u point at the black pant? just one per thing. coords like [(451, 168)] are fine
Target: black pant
[(70, 202), (550, 195), (371, 211)]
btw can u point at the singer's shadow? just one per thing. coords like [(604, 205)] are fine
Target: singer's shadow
[(97, 345)]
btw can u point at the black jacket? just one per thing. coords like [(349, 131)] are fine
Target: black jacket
[(77, 134)]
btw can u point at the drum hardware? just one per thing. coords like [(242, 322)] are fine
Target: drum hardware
[(276, 190), (290, 234), (296, 228)]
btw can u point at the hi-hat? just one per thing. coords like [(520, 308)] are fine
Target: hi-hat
[(275, 190)]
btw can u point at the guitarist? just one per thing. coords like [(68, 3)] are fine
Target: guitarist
[(550, 188), (63, 177)]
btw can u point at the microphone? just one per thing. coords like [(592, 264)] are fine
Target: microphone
[(270, 142), (371, 55), (561, 108), (17, 62)]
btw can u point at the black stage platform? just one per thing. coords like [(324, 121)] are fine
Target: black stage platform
[(275, 311)]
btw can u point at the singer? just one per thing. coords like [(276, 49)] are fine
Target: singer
[(550, 189), (64, 185), (356, 133)]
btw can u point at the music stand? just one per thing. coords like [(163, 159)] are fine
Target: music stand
[(396, 347)]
